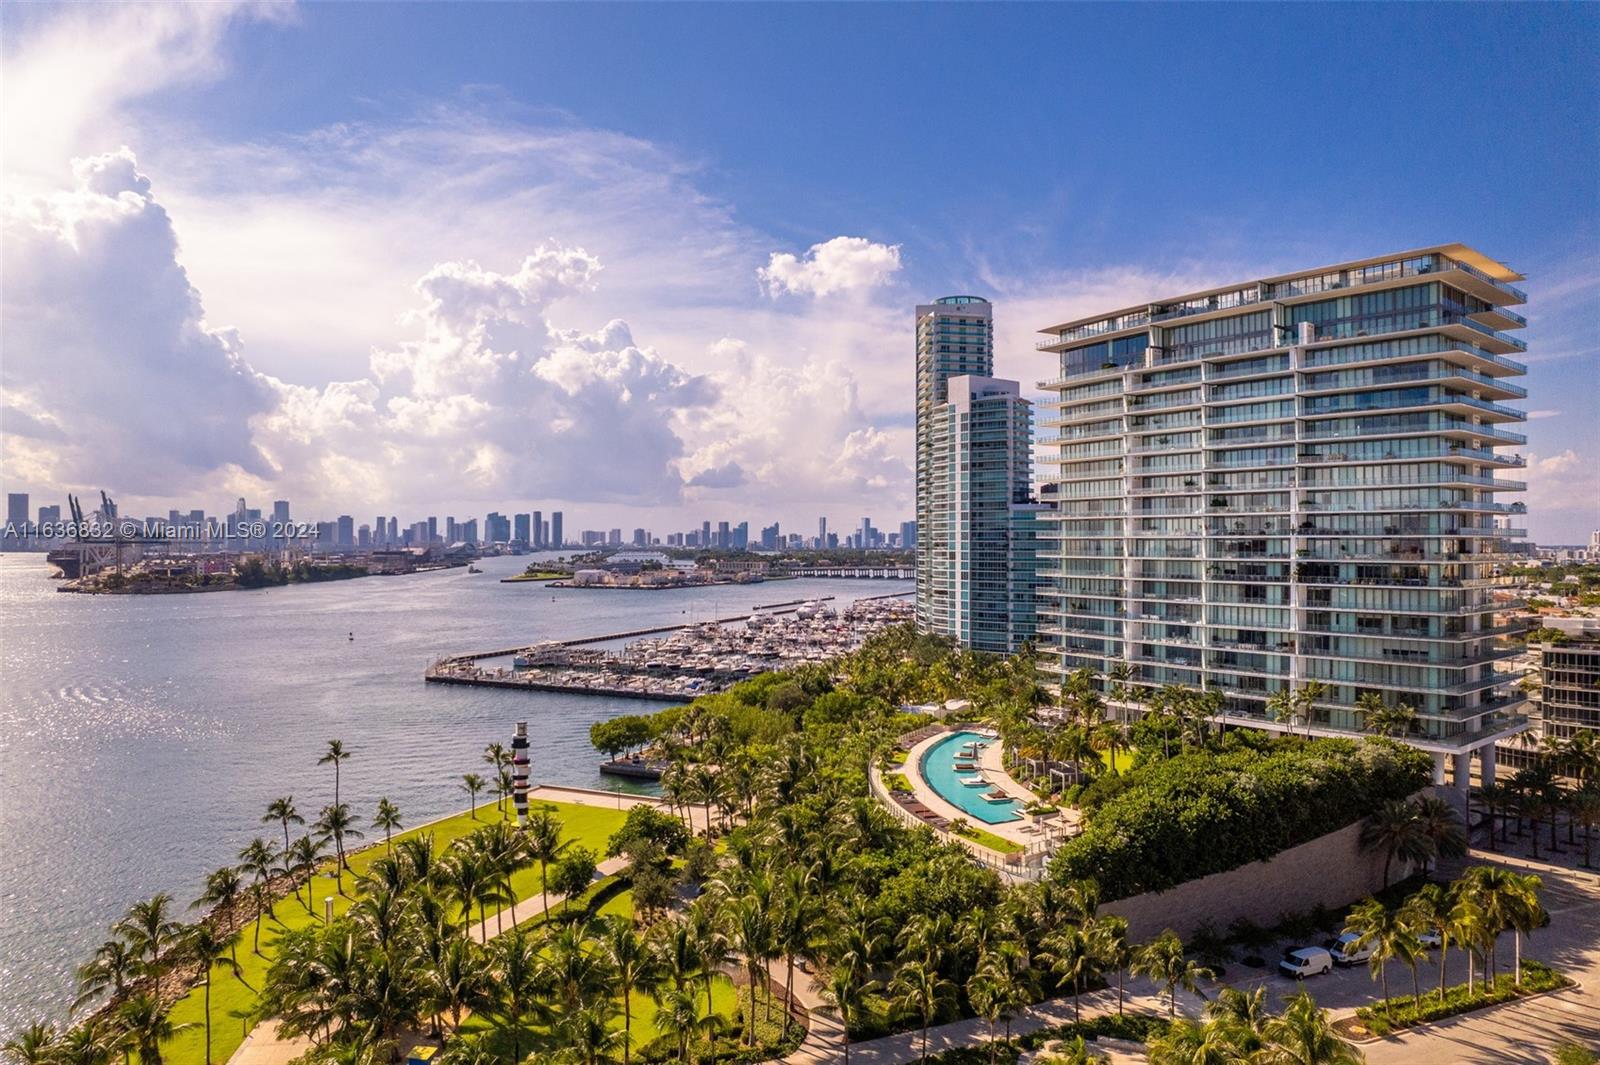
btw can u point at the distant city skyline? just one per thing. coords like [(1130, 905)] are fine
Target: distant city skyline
[(536, 528), (243, 256)]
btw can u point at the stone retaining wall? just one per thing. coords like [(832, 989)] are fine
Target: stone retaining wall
[(1331, 870)]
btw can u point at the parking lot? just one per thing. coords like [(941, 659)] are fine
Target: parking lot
[(1525, 1031)]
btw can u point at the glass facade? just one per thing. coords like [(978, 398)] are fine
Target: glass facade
[(976, 551), (1301, 485)]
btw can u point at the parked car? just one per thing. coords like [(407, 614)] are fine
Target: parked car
[(1306, 961), (1430, 940), (1345, 951)]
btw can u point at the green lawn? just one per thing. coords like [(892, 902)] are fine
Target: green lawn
[(1121, 764), (988, 839), (590, 826)]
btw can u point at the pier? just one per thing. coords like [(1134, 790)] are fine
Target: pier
[(692, 659), (891, 573)]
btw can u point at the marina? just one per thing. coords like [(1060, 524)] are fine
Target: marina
[(693, 660)]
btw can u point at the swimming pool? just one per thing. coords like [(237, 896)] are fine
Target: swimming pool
[(938, 766)]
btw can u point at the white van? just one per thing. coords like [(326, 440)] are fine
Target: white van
[(1345, 951), (1306, 961)]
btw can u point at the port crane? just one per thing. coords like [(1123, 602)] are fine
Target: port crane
[(94, 548)]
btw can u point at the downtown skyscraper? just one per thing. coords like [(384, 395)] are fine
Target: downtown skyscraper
[(975, 519), (1293, 481)]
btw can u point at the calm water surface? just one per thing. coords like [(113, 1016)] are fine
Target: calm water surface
[(142, 736)]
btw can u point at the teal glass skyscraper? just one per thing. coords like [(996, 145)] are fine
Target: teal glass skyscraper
[(1290, 485), (975, 521)]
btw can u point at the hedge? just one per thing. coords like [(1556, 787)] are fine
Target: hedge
[(1205, 812), (1404, 1012)]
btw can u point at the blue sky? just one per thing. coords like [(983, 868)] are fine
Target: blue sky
[(1057, 158)]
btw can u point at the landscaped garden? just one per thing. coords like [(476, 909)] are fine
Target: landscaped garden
[(770, 860)]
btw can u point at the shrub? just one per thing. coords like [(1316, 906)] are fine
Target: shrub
[(1405, 1013), (1206, 812)]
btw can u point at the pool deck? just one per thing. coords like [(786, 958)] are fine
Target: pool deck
[(1022, 831)]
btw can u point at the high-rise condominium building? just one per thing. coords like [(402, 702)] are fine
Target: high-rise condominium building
[(557, 537), (974, 464), (1292, 480), (1569, 687)]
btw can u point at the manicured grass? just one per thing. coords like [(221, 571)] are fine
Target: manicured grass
[(590, 826), (542, 575), (1121, 763), (987, 838), (897, 782)]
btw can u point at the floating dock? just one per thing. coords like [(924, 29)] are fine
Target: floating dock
[(697, 658)]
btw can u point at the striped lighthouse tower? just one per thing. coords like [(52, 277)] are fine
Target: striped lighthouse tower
[(519, 770)]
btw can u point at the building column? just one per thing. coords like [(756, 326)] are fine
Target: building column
[(1486, 765), (1438, 766), (1461, 771)]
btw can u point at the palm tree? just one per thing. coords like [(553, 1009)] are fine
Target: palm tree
[(1396, 830), (678, 1017), (337, 823), (388, 819), (472, 783), (1163, 961), (1306, 700), (148, 926), (460, 979), (1281, 707), (37, 1044), (282, 811), (1468, 926), (750, 934), (545, 845), (1387, 933), (1584, 807), (635, 968), (1184, 1042), (845, 992), (1524, 913), (1428, 910), (1302, 1035), (113, 965), (519, 979), (210, 949), (1108, 940), (1441, 826), (588, 1034), (798, 912), (90, 1043), (988, 998), (918, 988), (498, 758), (148, 1024), (1070, 957), (335, 754), (302, 858), (222, 892), (712, 947), (259, 861)]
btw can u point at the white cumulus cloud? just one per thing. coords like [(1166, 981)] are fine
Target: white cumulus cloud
[(843, 264)]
